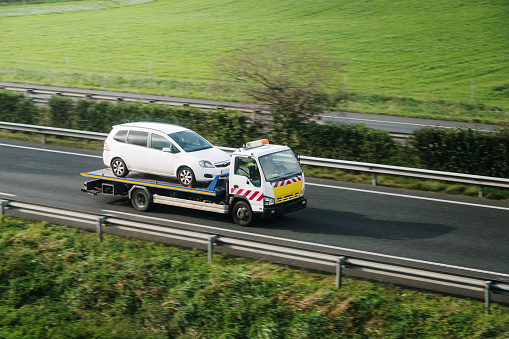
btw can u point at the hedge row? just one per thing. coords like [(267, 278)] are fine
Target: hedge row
[(15, 108), (456, 150), (95, 116), (463, 150)]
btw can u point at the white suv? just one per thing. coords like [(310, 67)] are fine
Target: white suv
[(163, 149)]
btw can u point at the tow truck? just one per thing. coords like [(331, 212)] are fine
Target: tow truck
[(264, 179)]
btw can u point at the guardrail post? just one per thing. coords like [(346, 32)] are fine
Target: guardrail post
[(28, 92), (43, 138), (100, 222), (374, 181), (3, 205), (210, 247), (487, 296), (481, 191), (341, 262), (255, 112)]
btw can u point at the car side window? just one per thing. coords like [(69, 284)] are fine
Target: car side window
[(137, 138), (120, 135), (159, 142), (174, 149)]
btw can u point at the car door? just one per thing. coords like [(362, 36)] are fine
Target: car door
[(163, 155), (135, 151)]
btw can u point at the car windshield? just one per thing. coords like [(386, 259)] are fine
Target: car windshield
[(280, 165), (190, 141)]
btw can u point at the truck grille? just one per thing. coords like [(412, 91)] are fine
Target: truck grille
[(288, 197)]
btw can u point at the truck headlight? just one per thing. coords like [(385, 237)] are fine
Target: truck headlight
[(206, 164), (303, 191), (267, 201)]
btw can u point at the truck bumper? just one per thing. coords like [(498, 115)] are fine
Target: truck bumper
[(280, 209)]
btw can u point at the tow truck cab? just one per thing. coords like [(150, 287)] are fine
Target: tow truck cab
[(267, 177)]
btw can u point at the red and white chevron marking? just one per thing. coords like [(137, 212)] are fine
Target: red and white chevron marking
[(286, 182), (249, 194)]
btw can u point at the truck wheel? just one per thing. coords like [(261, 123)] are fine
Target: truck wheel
[(119, 168), (140, 200), (242, 213), (186, 176)]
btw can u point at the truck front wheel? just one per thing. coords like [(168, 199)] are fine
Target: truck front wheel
[(242, 213), (140, 199)]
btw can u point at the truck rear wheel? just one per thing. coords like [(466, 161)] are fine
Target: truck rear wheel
[(242, 213), (140, 199)]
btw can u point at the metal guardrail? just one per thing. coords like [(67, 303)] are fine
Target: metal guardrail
[(375, 169), (211, 240), (41, 95)]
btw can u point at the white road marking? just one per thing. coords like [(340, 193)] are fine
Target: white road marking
[(52, 151), (309, 243), (7, 194), (409, 196)]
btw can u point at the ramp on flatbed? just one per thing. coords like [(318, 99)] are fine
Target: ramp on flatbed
[(215, 188)]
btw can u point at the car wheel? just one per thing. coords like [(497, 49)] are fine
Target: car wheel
[(119, 168), (186, 176), (140, 199), (242, 213)]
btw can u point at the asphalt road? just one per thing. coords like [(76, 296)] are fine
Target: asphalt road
[(396, 124), (346, 218)]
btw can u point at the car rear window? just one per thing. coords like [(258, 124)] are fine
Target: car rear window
[(137, 138), (120, 135)]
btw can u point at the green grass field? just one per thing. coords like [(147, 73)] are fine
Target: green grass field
[(58, 282), (432, 50)]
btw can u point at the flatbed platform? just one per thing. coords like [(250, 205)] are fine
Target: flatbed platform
[(215, 188)]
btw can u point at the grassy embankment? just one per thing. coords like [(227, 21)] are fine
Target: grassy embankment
[(402, 57), (58, 282)]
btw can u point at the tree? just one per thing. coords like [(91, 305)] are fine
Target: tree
[(291, 80)]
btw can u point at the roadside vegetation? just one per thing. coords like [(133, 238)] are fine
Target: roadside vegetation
[(58, 282), (436, 59), (452, 150)]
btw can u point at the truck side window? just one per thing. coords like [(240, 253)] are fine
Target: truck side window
[(247, 167), (120, 135), (137, 138), (241, 166)]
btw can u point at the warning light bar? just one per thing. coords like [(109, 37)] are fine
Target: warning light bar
[(257, 143)]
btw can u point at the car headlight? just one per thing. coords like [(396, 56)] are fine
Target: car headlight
[(206, 164), (267, 201)]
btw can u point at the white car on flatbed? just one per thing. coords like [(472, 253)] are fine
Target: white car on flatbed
[(165, 150)]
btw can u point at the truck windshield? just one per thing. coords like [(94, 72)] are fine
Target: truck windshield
[(190, 141), (280, 165)]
